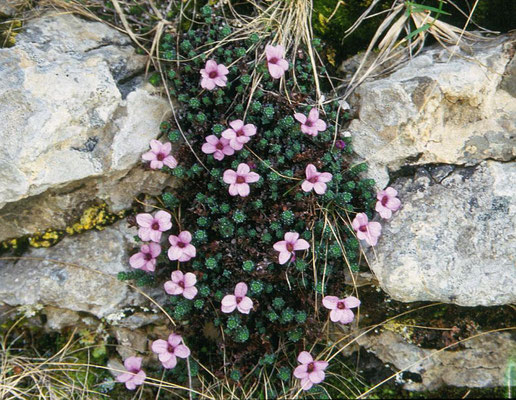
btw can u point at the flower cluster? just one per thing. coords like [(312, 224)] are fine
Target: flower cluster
[(249, 214)]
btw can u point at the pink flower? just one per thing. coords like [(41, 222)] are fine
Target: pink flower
[(311, 125), (238, 181), (239, 300), (145, 259), (239, 134), (289, 245), (368, 231), (181, 249), (160, 155), (213, 74), (134, 375), (340, 308), (169, 350), (218, 147), (276, 60), (182, 284), (310, 372), (387, 202), (340, 144), (315, 180), (152, 227)]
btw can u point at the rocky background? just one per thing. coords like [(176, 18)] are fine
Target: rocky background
[(77, 114)]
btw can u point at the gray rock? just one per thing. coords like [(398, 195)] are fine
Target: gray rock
[(76, 118), (439, 109), (8, 7), (78, 274), (481, 363), (454, 239)]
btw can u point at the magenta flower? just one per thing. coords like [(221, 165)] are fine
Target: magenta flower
[(239, 134), (134, 375), (239, 300), (387, 202), (218, 147), (311, 125), (340, 308), (288, 246), (368, 231), (145, 259), (182, 284), (315, 180), (160, 155), (181, 249), (213, 74), (238, 181), (169, 350), (276, 60), (310, 372), (152, 227)]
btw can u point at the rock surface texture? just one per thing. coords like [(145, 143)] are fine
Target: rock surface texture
[(77, 274), (76, 117), (442, 131), (480, 362), (440, 109)]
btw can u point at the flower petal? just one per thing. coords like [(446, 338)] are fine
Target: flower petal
[(301, 244), (159, 346), (190, 292), (182, 351), (300, 117), (284, 256), (243, 189), (133, 363), (300, 371), (229, 176), (330, 302), (351, 302), (245, 305), (240, 289), (305, 357), (144, 220)]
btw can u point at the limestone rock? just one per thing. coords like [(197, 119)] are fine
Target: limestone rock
[(78, 274), (76, 117), (439, 108), (454, 238), (481, 363), (8, 7)]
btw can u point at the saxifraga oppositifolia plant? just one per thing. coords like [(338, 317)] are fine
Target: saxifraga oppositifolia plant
[(261, 220)]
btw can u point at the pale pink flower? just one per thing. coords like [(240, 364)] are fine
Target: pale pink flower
[(218, 147), (160, 155), (145, 259), (169, 350), (288, 246), (238, 181), (315, 180), (340, 308), (239, 300), (134, 375), (310, 372), (368, 231), (239, 134), (276, 60), (181, 249), (152, 227), (182, 284), (213, 74), (311, 125), (387, 202)]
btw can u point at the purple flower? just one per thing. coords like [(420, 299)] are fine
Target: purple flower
[(311, 125), (145, 259), (276, 62), (288, 246), (239, 300), (310, 372), (218, 147), (387, 202), (239, 134), (213, 74), (340, 308), (181, 249), (368, 231), (169, 350), (340, 144), (315, 180), (238, 181), (152, 227), (135, 375), (160, 155), (182, 284)]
